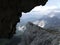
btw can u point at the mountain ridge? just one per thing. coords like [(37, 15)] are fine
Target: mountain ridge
[(35, 35)]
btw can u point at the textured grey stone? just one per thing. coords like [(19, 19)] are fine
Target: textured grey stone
[(35, 35)]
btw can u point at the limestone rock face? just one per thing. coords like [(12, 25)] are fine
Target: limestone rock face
[(10, 11), (34, 35)]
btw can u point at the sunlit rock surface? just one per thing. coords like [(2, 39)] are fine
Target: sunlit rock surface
[(35, 35)]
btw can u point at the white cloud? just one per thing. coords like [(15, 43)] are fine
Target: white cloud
[(44, 9), (52, 15), (40, 23)]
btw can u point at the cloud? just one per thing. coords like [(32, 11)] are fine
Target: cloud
[(40, 11), (44, 9)]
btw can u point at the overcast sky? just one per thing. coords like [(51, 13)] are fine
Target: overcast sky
[(51, 4)]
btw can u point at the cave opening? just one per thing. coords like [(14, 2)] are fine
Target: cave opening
[(38, 12), (47, 16)]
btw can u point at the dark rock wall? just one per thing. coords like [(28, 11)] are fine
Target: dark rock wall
[(10, 11)]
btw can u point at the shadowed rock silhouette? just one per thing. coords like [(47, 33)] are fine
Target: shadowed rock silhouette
[(10, 11)]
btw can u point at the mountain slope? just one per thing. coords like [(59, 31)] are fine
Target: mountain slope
[(35, 35)]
